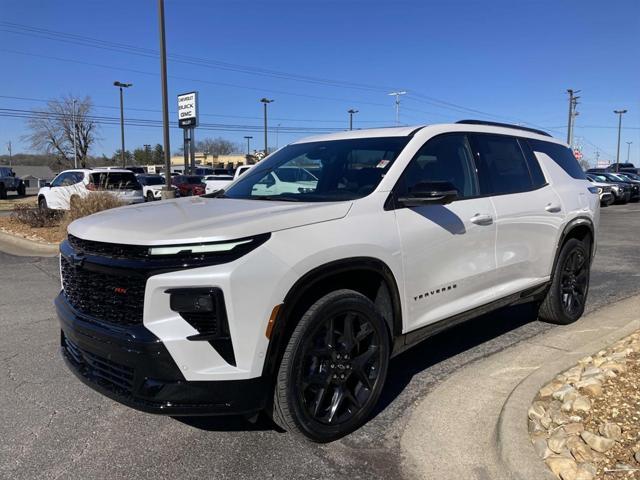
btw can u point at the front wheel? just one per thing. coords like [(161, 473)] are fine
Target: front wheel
[(333, 368), (150, 197), (42, 204), (566, 298)]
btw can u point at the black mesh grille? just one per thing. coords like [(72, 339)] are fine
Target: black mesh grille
[(111, 250), (109, 374), (205, 323), (111, 298)]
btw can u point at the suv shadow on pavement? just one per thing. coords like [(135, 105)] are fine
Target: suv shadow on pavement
[(404, 367)]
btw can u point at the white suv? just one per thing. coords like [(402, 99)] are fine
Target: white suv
[(79, 183), (293, 303)]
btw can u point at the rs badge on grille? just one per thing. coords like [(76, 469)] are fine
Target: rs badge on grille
[(119, 290)]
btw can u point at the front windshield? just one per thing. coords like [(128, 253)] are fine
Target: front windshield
[(320, 171), (151, 180)]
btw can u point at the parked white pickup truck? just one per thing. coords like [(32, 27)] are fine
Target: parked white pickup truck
[(216, 183)]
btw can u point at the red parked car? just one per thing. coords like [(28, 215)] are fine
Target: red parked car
[(189, 185)]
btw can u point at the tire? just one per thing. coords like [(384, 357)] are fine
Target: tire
[(149, 197), (567, 296), (42, 204), (327, 384), (3, 192), (22, 190)]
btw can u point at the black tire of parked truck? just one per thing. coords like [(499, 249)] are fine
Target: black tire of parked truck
[(333, 368), (3, 192), (567, 296), (22, 190)]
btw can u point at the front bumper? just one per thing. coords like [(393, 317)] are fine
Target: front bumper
[(132, 366)]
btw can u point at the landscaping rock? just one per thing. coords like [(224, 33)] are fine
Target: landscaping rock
[(584, 474), (562, 467), (573, 428), (610, 430), (581, 404), (557, 442), (591, 386), (536, 411), (596, 442), (549, 389), (563, 393), (541, 448)]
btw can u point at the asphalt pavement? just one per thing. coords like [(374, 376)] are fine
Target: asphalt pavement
[(53, 426)]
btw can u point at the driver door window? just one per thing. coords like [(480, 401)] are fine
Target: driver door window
[(58, 181), (446, 158)]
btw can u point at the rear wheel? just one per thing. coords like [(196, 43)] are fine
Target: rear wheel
[(22, 190), (567, 295), (333, 368), (3, 192)]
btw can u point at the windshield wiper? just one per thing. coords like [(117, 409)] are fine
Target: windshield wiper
[(278, 198)]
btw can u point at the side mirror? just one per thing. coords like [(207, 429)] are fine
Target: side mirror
[(47, 184), (429, 193)]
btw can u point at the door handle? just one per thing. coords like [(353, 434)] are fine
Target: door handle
[(552, 208), (481, 219)]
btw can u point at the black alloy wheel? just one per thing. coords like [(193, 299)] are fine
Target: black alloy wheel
[(334, 367), (567, 295), (574, 281)]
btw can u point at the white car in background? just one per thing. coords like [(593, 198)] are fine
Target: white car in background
[(215, 183), (152, 187), (286, 180), (80, 183)]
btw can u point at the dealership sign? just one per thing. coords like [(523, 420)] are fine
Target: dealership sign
[(188, 110)]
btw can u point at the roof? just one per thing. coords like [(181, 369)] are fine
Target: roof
[(36, 171), (476, 126)]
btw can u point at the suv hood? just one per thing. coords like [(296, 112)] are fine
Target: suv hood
[(197, 219)]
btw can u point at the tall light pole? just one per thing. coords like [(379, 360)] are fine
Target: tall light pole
[(619, 113), (628, 150), (248, 137), (121, 85), (75, 148), (277, 135), (265, 102), (397, 102), (9, 148), (573, 102), (167, 191), (351, 112)]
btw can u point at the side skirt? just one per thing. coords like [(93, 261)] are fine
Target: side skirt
[(407, 340)]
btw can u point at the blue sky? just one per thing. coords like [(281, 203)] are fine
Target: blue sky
[(492, 59)]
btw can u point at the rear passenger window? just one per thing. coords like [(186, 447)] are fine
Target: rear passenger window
[(561, 155), (502, 168), (537, 177)]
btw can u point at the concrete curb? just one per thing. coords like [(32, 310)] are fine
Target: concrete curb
[(474, 423), (512, 436), (16, 245)]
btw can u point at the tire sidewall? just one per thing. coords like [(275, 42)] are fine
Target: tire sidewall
[(290, 373), (568, 247)]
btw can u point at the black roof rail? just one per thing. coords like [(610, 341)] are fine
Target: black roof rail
[(504, 125)]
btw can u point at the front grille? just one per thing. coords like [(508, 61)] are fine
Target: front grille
[(606, 189), (107, 373), (110, 298), (111, 250), (205, 323)]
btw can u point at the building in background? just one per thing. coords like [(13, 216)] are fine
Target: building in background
[(34, 176)]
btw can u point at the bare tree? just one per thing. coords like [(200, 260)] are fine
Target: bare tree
[(51, 130), (217, 146)]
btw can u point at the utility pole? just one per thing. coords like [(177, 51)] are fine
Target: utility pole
[(167, 191), (277, 135), (248, 137), (619, 113), (397, 102), (597, 156), (573, 102), (351, 113), (265, 102), (121, 85), (628, 150), (9, 148), (75, 148)]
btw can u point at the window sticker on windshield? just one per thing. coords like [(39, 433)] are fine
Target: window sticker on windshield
[(383, 163)]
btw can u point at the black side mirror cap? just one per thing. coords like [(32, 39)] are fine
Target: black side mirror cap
[(429, 193)]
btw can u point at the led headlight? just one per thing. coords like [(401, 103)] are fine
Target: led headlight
[(197, 248)]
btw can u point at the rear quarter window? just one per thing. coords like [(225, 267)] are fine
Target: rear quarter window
[(561, 155)]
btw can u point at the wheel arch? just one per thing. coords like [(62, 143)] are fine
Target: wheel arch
[(367, 275), (580, 228)]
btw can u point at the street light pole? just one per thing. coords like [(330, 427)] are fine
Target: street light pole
[(10, 159), (628, 150), (351, 112), (75, 148), (397, 95), (573, 102), (265, 102), (167, 191), (619, 113), (121, 85), (277, 135), (248, 137)]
